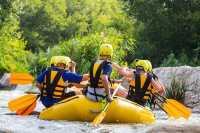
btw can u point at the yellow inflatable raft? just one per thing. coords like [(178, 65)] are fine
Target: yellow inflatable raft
[(79, 108)]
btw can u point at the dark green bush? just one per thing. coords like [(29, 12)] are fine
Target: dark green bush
[(176, 90)]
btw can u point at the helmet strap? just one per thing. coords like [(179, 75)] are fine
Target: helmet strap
[(105, 57), (139, 69), (61, 65)]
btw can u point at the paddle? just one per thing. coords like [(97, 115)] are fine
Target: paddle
[(30, 100), (21, 102), (27, 110), (172, 107), (23, 105), (21, 78), (99, 118)]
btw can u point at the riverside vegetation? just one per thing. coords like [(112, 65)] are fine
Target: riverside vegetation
[(166, 32)]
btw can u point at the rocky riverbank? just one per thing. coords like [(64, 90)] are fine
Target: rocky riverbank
[(191, 77)]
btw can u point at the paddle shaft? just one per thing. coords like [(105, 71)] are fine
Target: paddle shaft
[(115, 91), (99, 118), (160, 106), (165, 100)]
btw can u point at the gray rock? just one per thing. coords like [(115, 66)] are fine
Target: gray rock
[(4, 81), (191, 76)]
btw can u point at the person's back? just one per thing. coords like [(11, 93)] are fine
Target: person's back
[(52, 82), (142, 82), (100, 71), (96, 91), (140, 87)]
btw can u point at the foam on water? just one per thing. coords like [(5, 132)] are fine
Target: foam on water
[(31, 124)]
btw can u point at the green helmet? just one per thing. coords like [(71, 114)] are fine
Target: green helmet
[(106, 50), (144, 64), (55, 60), (150, 66)]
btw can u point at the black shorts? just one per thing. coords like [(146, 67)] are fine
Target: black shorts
[(70, 94)]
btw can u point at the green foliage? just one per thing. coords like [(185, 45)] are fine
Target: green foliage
[(5, 9), (47, 23), (80, 49), (170, 61), (84, 50), (181, 60), (42, 22), (38, 62), (176, 90), (31, 31), (62, 27), (13, 57), (164, 27)]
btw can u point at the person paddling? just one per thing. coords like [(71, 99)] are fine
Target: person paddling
[(142, 81), (99, 76), (53, 81)]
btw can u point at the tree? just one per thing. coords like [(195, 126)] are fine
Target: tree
[(13, 57), (166, 26)]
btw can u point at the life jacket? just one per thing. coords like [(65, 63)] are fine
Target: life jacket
[(53, 84), (139, 88), (152, 100), (95, 78)]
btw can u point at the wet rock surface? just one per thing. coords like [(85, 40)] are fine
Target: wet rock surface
[(4, 81), (191, 77)]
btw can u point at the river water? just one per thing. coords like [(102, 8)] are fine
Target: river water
[(10, 123)]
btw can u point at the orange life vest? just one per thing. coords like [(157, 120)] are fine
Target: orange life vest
[(139, 88), (52, 88)]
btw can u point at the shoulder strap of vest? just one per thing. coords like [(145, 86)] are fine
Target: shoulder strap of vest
[(154, 76), (138, 89), (137, 83), (48, 78), (147, 82), (52, 86), (95, 79), (91, 74)]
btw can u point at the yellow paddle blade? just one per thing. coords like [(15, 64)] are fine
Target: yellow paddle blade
[(171, 112), (27, 110), (186, 112), (21, 78), (21, 102), (99, 118)]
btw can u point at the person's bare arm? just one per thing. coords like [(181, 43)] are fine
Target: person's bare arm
[(77, 85), (116, 66), (85, 77), (39, 86), (82, 84), (72, 66), (122, 70), (158, 86), (107, 87)]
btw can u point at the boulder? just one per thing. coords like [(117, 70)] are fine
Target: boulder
[(4, 81), (191, 76)]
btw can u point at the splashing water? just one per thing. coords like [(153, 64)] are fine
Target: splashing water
[(31, 124)]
